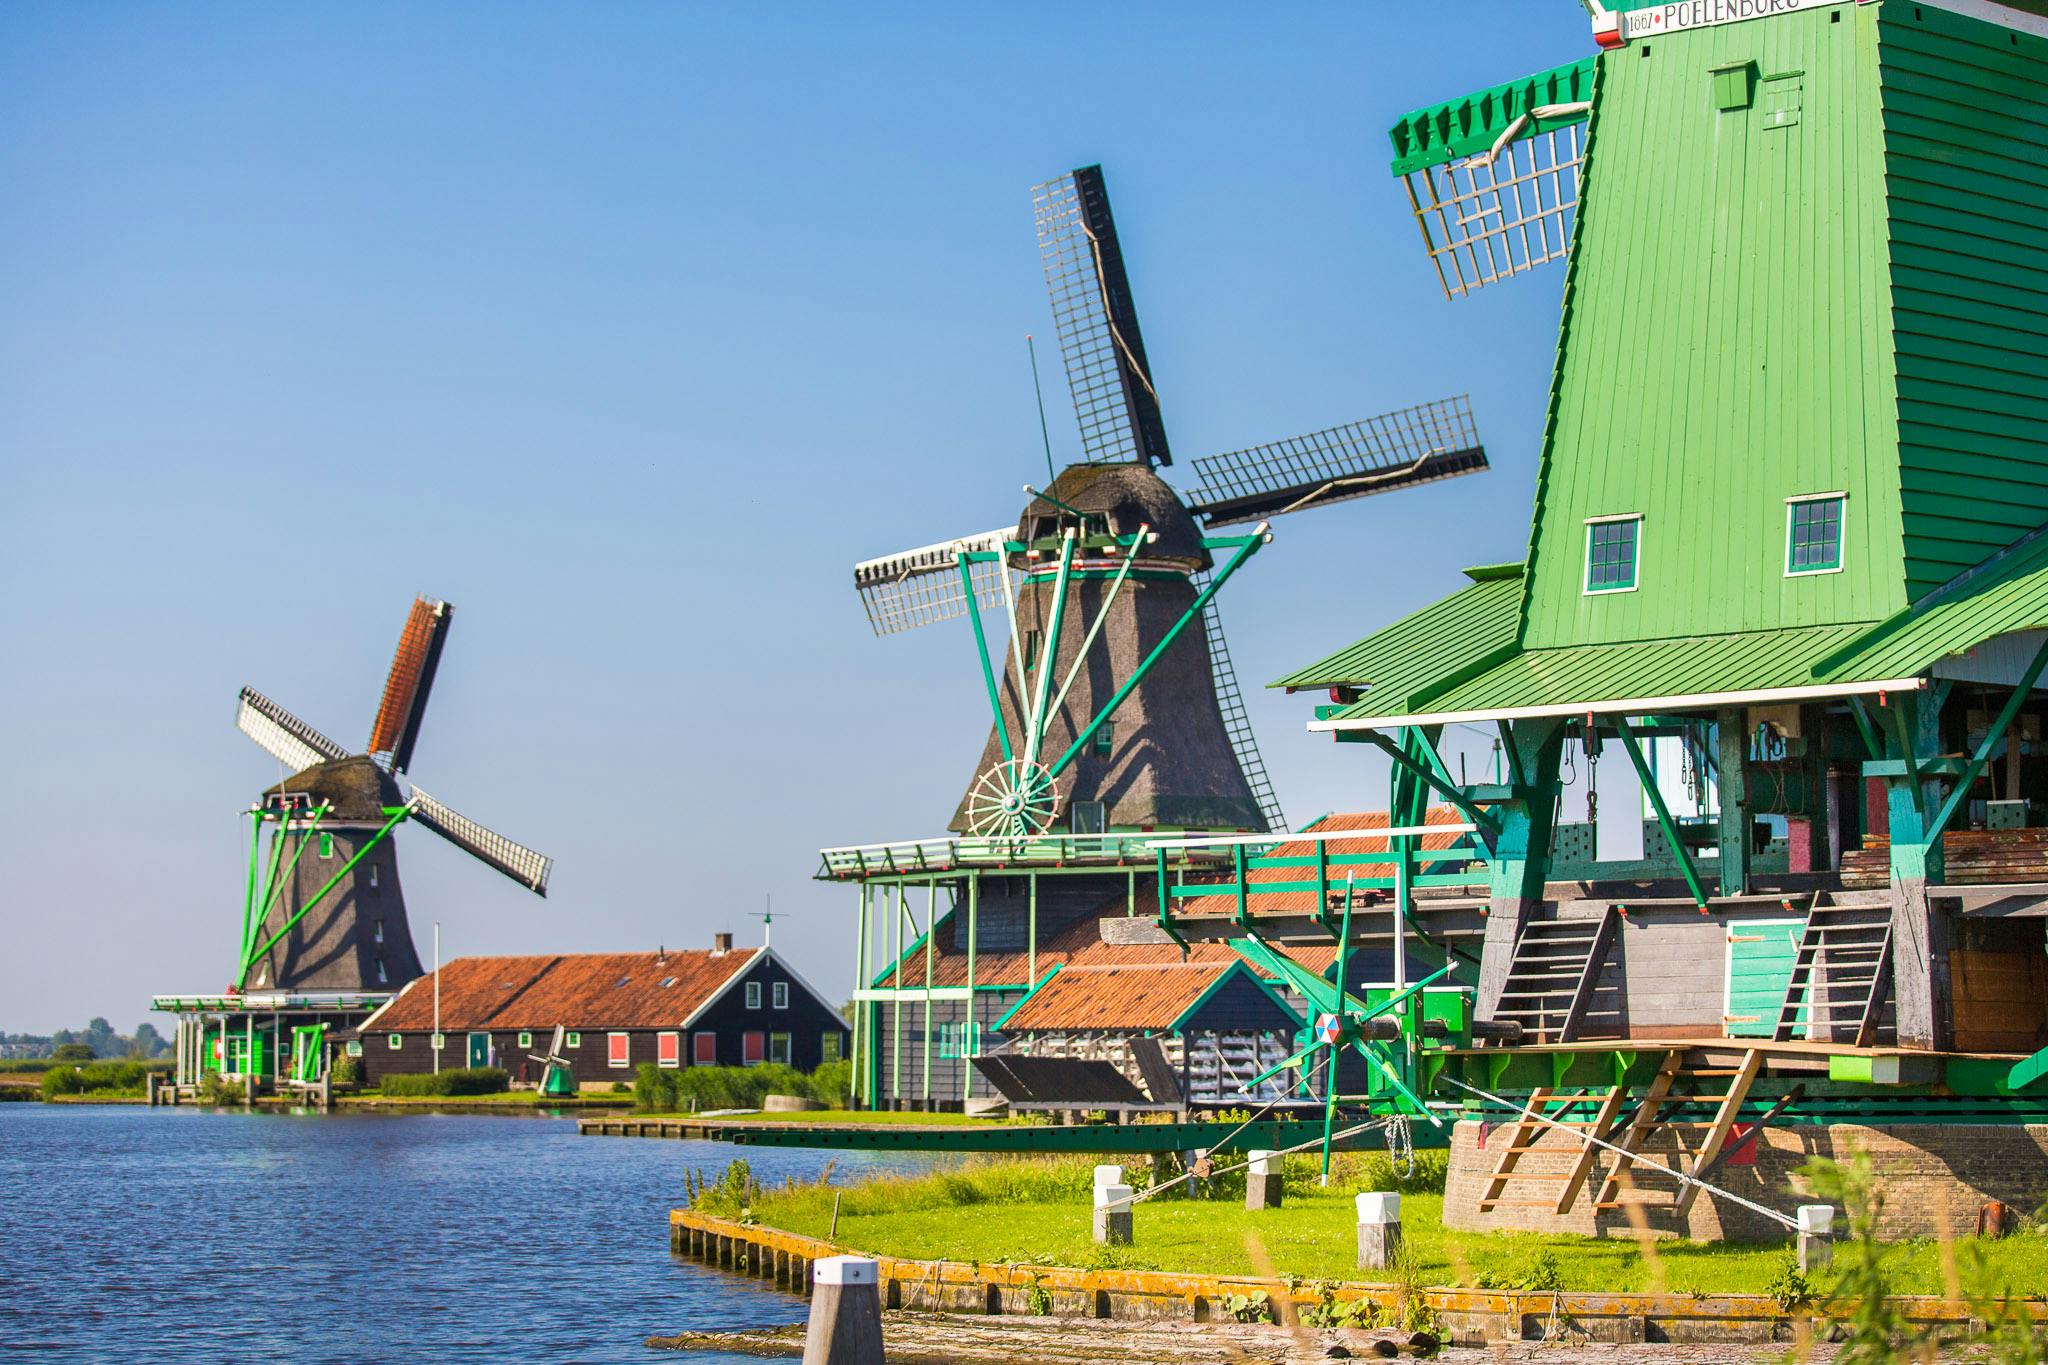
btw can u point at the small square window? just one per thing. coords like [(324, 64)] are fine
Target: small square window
[(1105, 737), (352, 1048), (753, 995), (525, 1039), (1611, 546), (828, 1047), (780, 995), (1813, 535), (397, 1041), (778, 1048), (572, 1039)]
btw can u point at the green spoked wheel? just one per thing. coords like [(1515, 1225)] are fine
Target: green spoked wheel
[(1013, 800)]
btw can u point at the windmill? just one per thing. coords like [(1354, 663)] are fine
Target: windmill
[(324, 912), (556, 1077), (1107, 710)]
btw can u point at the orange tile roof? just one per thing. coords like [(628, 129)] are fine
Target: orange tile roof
[(1124, 997), (576, 990), (1304, 902), (1079, 944)]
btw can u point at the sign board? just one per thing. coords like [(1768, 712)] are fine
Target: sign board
[(1688, 14)]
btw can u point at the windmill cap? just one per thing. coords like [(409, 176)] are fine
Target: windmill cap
[(352, 788), (1127, 496)]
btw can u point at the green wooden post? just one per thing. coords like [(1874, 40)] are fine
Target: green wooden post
[(1921, 933), (1732, 757), (896, 994), (931, 920), (1657, 804), (1031, 933), (1521, 851), (860, 983)]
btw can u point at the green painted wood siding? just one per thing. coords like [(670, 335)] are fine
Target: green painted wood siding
[(1726, 339), (1965, 113)]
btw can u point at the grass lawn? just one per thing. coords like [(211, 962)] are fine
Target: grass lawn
[(1038, 1212)]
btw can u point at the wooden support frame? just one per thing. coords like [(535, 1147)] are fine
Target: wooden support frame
[(1604, 1121), (1450, 791), (1992, 738), (1663, 811), (1732, 1100)]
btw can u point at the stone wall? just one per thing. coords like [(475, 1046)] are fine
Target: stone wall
[(1936, 1177)]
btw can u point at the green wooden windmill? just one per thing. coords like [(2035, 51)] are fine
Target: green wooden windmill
[(1108, 710)]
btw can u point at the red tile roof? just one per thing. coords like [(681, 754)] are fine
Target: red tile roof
[(1079, 944), (1122, 998), (576, 990)]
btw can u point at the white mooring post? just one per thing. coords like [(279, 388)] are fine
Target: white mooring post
[(1379, 1230), (1816, 1240), (1262, 1185), (846, 1313), (1113, 1214)]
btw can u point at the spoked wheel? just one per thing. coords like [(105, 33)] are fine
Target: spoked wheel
[(1013, 800)]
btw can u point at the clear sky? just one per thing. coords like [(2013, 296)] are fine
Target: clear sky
[(628, 329)]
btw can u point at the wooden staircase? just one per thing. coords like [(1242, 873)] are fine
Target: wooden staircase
[(1841, 976), (1554, 975), (1678, 1082)]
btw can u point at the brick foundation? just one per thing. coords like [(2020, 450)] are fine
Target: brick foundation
[(1933, 1175)]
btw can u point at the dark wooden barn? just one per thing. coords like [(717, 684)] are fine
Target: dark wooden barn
[(717, 1006)]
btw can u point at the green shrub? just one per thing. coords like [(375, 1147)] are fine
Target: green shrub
[(655, 1091), (73, 1052), (694, 1089), (471, 1080), (214, 1090), (832, 1085), (94, 1078), (348, 1070)]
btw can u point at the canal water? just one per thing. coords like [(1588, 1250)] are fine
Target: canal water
[(130, 1233)]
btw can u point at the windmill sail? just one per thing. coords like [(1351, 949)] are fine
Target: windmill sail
[(1493, 178), (1395, 450), (915, 588), (1237, 720), (397, 726), (516, 861), (1097, 322), (283, 735)]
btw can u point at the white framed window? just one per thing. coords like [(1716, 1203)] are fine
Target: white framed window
[(828, 1046), (779, 995), (1088, 817), (1613, 551), (753, 995), (703, 1049), (668, 1049), (353, 1048), (778, 1048), (753, 1047), (397, 1041), (571, 1038), (525, 1038), (618, 1050), (1813, 534)]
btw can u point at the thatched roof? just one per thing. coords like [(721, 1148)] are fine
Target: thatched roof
[(356, 788), (1129, 496)]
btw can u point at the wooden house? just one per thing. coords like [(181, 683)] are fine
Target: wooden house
[(717, 1006)]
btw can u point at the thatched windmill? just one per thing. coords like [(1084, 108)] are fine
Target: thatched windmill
[(1108, 712), (324, 910)]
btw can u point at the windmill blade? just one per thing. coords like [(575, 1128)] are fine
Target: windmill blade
[(914, 588), (516, 861), (1237, 720), (1395, 450), (1493, 177), (397, 726), (281, 734), (1097, 322)]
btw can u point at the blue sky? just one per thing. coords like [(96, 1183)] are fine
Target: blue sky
[(628, 329)]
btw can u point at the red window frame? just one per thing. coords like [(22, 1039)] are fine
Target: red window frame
[(618, 1049), (668, 1049), (754, 1047), (703, 1049)]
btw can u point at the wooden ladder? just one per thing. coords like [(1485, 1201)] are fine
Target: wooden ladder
[(1553, 975), (1522, 1138), (1663, 1094), (1841, 976)]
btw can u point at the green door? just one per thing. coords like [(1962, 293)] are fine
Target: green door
[(1760, 957), (479, 1049)]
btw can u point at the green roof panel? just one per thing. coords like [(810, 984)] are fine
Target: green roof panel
[(1471, 629)]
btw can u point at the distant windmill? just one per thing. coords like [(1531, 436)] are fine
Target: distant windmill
[(324, 911), (1104, 716), (555, 1075)]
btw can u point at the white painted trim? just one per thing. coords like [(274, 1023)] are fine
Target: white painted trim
[(1630, 706), (737, 972), (1338, 836), (1841, 534), (1635, 566)]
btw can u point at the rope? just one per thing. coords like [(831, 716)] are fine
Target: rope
[(1246, 1164), (1632, 1157)]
